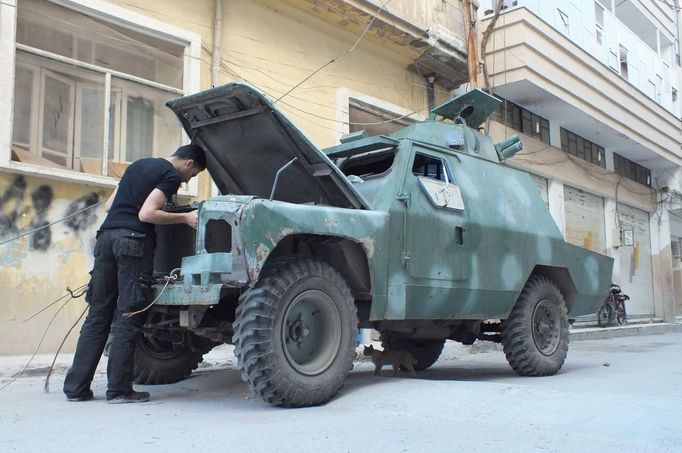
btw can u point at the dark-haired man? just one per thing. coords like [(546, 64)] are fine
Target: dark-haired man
[(124, 258)]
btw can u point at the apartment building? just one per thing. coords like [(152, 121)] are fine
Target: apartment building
[(84, 83), (592, 86)]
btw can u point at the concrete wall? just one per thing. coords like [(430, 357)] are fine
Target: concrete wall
[(36, 270)]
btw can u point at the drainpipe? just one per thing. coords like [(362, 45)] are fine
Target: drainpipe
[(217, 30), (431, 91)]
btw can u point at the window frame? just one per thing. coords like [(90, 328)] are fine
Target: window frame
[(523, 120), (345, 97), (578, 146), (115, 15), (631, 170)]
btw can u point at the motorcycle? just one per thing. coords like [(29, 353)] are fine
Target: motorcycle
[(613, 307)]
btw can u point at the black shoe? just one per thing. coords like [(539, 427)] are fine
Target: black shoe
[(132, 397), (87, 396)]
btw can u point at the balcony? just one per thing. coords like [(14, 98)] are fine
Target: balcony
[(429, 32), (553, 66)]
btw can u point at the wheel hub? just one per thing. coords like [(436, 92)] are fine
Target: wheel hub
[(298, 331), (546, 327), (311, 334)]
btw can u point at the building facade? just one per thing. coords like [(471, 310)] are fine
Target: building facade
[(84, 83), (592, 86)]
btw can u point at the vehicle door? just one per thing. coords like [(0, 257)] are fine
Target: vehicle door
[(435, 222)]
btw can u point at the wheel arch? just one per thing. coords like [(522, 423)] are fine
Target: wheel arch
[(562, 278), (347, 256)]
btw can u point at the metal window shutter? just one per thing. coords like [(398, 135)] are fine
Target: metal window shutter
[(634, 262), (585, 219)]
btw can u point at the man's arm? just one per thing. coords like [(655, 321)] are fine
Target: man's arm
[(110, 200), (151, 212)]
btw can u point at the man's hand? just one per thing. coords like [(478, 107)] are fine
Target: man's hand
[(192, 219), (152, 212)]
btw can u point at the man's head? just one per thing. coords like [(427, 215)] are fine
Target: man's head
[(188, 160)]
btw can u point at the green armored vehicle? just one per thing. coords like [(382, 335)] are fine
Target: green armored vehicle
[(424, 235)]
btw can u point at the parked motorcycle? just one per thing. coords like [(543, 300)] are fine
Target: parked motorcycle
[(613, 307)]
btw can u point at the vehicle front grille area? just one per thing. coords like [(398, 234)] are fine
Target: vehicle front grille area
[(218, 236)]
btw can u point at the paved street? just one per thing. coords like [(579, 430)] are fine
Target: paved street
[(620, 394)]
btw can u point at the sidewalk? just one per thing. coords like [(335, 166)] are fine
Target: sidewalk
[(590, 330)]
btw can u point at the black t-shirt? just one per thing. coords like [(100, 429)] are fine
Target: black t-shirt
[(138, 181)]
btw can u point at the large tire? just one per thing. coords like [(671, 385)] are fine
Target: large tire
[(424, 351), (295, 332), (535, 335), (158, 361)]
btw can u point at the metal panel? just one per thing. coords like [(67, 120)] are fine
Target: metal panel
[(635, 277), (585, 219), (541, 184)]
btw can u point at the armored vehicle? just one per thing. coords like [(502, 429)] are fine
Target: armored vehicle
[(424, 235)]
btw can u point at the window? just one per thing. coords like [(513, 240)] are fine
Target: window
[(374, 120), (369, 164), (430, 167), (623, 62), (631, 170), (523, 120), (599, 23), (576, 145), (68, 67)]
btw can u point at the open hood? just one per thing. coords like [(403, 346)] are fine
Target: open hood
[(247, 140)]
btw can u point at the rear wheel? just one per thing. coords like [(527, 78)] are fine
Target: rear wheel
[(424, 351), (164, 357), (295, 332), (621, 316), (535, 335)]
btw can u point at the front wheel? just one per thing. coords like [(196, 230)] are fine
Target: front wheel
[(295, 332), (605, 314), (535, 335)]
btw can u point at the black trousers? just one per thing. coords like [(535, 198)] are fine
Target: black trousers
[(119, 283)]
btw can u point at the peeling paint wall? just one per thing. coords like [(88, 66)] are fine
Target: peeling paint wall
[(36, 269)]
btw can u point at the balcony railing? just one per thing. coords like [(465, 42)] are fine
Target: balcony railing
[(599, 32)]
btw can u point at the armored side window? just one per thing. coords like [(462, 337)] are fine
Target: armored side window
[(430, 167), (436, 181), (369, 164)]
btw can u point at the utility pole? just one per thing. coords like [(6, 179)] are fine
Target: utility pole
[(469, 8)]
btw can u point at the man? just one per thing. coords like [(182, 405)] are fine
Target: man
[(124, 257)]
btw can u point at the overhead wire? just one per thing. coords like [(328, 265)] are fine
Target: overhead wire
[(34, 230), (335, 58)]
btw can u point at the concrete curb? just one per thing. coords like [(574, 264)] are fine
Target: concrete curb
[(598, 333)]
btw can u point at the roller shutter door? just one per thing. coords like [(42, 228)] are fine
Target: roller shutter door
[(636, 278), (584, 219), (541, 184)]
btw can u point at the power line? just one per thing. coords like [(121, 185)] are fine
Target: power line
[(51, 223), (347, 51)]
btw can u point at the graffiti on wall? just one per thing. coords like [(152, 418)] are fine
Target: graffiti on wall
[(42, 199), (14, 205), (11, 205)]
